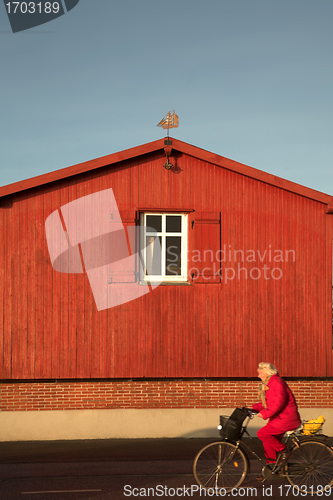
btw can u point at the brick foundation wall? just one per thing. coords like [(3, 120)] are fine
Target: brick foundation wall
[(79, 395)]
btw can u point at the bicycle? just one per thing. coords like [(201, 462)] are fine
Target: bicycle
[(224, 465)]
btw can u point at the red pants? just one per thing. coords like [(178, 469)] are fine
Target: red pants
[(271, 435)]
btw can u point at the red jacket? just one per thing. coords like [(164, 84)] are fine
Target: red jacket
[(280, 402)]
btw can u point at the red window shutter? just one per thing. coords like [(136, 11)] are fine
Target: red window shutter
[(130, 219), (125, 246), (205, 247)]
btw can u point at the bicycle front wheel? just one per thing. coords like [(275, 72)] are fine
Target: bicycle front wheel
[(310, 468), (220, 466)]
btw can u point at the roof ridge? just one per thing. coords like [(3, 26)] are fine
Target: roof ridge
[(150, 147)]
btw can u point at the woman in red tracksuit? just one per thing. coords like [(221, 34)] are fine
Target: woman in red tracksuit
[(279, 406)]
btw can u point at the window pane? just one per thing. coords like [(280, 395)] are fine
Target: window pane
[(173, 224), (154, 257), (173, 256), (155, 222)]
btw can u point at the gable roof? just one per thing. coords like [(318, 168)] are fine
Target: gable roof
[(177, 145)]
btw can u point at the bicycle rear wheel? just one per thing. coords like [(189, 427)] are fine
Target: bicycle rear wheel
[(310, 468), (220, 465)]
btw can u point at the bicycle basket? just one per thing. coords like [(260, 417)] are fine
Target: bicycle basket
[(230, 427), (313, 426)]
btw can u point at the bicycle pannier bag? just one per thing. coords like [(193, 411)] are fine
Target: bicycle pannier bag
[(232, 428)]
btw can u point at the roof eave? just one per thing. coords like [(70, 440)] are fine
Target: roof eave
[(252, 172), (81, 168)]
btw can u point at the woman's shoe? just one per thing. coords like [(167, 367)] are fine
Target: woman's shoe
[(283, 457)]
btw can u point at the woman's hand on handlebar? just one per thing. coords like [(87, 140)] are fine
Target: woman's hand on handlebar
[(251, 411)]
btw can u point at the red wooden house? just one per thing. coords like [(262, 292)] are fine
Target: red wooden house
[(235, 269)]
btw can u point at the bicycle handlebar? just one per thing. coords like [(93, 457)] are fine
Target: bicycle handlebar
[(250, 411)]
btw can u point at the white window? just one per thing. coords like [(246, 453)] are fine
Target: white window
[(163, 247)]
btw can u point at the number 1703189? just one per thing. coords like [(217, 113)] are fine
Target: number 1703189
[(33, 8), (302, 491)]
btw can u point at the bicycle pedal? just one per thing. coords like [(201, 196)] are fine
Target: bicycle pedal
[(274, 468)]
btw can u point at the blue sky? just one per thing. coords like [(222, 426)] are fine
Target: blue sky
[(251, 80)]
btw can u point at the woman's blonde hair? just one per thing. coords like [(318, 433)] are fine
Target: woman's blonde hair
[(268, 367)]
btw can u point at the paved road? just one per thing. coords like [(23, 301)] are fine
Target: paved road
[(113, 469)]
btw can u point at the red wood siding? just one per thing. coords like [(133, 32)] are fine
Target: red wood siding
[(51, 328)]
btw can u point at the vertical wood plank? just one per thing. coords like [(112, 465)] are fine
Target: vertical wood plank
[(91, 219), (49, 310), (270, 339), (15, 281), (73, 300), (299, 279), (6, 287), (54, 329), (106, 340), (291, 298), (82, 283), (31, 286), (264, 283), (64, 352), (287, 335), (160, 356), (277, 276), (238, 277), (23, 286), (9, 290), (223, 298), (40, 262), (310, 306), (319, 257), (96, 352), (252, 340)]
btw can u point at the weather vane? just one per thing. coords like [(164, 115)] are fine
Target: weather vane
[(170, 120)]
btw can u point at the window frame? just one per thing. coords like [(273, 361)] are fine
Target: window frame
[(164, 278)]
